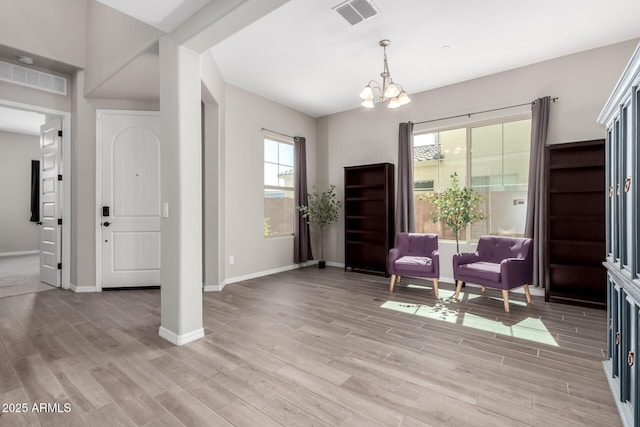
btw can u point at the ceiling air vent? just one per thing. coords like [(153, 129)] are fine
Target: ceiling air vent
[(35, 79), (355, 11)]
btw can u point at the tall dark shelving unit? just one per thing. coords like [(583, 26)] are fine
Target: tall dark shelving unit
[(575, 245), (369, 216)]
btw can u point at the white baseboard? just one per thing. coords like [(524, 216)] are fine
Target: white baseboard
[(268, 272), (82, 289), (214, 288), (449, 280), (534, 290), (2, 254), (335, 264), (180, 339)]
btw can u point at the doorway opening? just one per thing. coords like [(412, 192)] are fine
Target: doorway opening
[(21, 249)]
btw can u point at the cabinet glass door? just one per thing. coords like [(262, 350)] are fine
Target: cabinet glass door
[(609, 192), (634, 193), (614, 191), (615, 330), (624, 177), (627, 314)]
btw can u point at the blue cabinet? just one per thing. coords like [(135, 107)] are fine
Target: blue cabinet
[(621, 116)]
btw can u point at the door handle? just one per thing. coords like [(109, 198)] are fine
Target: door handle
[(39, 223), (106, 223)]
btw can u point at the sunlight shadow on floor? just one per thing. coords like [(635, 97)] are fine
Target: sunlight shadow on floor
[(530, 328)]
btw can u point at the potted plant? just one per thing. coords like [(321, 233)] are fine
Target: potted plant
[(457, 207), (321, 210)]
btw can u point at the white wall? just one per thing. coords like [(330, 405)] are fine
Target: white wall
[(51, 29), (582, 82), (17, 233), (245, 115), (113, 40)]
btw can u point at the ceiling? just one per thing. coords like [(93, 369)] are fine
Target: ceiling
[(165, 15), (306, 56), (20, 121)]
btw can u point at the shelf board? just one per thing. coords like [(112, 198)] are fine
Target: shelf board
[(363, 242), (595, 267), (364, 231), (349, 186), (576, 190), (576, 242), (576, 218), (577, 165)]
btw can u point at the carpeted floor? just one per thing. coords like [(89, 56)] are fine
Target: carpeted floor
[(20, 275)]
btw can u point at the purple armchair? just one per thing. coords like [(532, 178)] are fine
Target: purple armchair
[(415, 255), (499, 262)]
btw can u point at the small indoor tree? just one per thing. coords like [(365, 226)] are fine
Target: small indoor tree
[(456, 207), (321, 210)]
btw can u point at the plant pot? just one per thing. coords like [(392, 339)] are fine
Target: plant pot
[(322, 264)]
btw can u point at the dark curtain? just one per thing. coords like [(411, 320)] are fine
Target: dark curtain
[(301, 236), (535, 226), (35, 191), (405, 218)]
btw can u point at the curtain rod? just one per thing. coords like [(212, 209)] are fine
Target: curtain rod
[(278, 133), (480, 112)]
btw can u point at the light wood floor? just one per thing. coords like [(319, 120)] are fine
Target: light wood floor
[(306, 347), (20, 274)]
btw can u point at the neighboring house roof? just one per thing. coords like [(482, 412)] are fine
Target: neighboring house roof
[(423, 153), (286, 172)]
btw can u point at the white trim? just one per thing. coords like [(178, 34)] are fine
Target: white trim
[(66, 182), (180, 339), (335, 264), (98, 168), (268, 272), (449, 280), (3, 254), (82, 289), (214, 288), (533, 290)]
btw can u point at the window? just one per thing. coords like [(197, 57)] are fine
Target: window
[(279, 206), (493, 159)]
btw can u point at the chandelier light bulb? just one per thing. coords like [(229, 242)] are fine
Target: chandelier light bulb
[(367, 103), (404, 98), (366, 93), (392, 91), (394, 102)]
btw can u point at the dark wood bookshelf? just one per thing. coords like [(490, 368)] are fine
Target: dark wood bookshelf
[(369, 217), (575, 243)]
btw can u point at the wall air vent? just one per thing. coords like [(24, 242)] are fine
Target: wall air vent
[(355, 11), (35, 79)]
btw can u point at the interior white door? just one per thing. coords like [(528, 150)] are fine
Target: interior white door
[(130, 198), (50, 206)]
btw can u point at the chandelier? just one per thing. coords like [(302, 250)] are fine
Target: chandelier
[(388, 90)]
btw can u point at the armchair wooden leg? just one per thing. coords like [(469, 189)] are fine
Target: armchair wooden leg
[(527, 294), (398, 278), (458, 287), (484, 289), (505, 297), (393, 279), (435, 287)]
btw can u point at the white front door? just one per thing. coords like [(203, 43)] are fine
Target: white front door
[(50, 206), (130, 198)]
